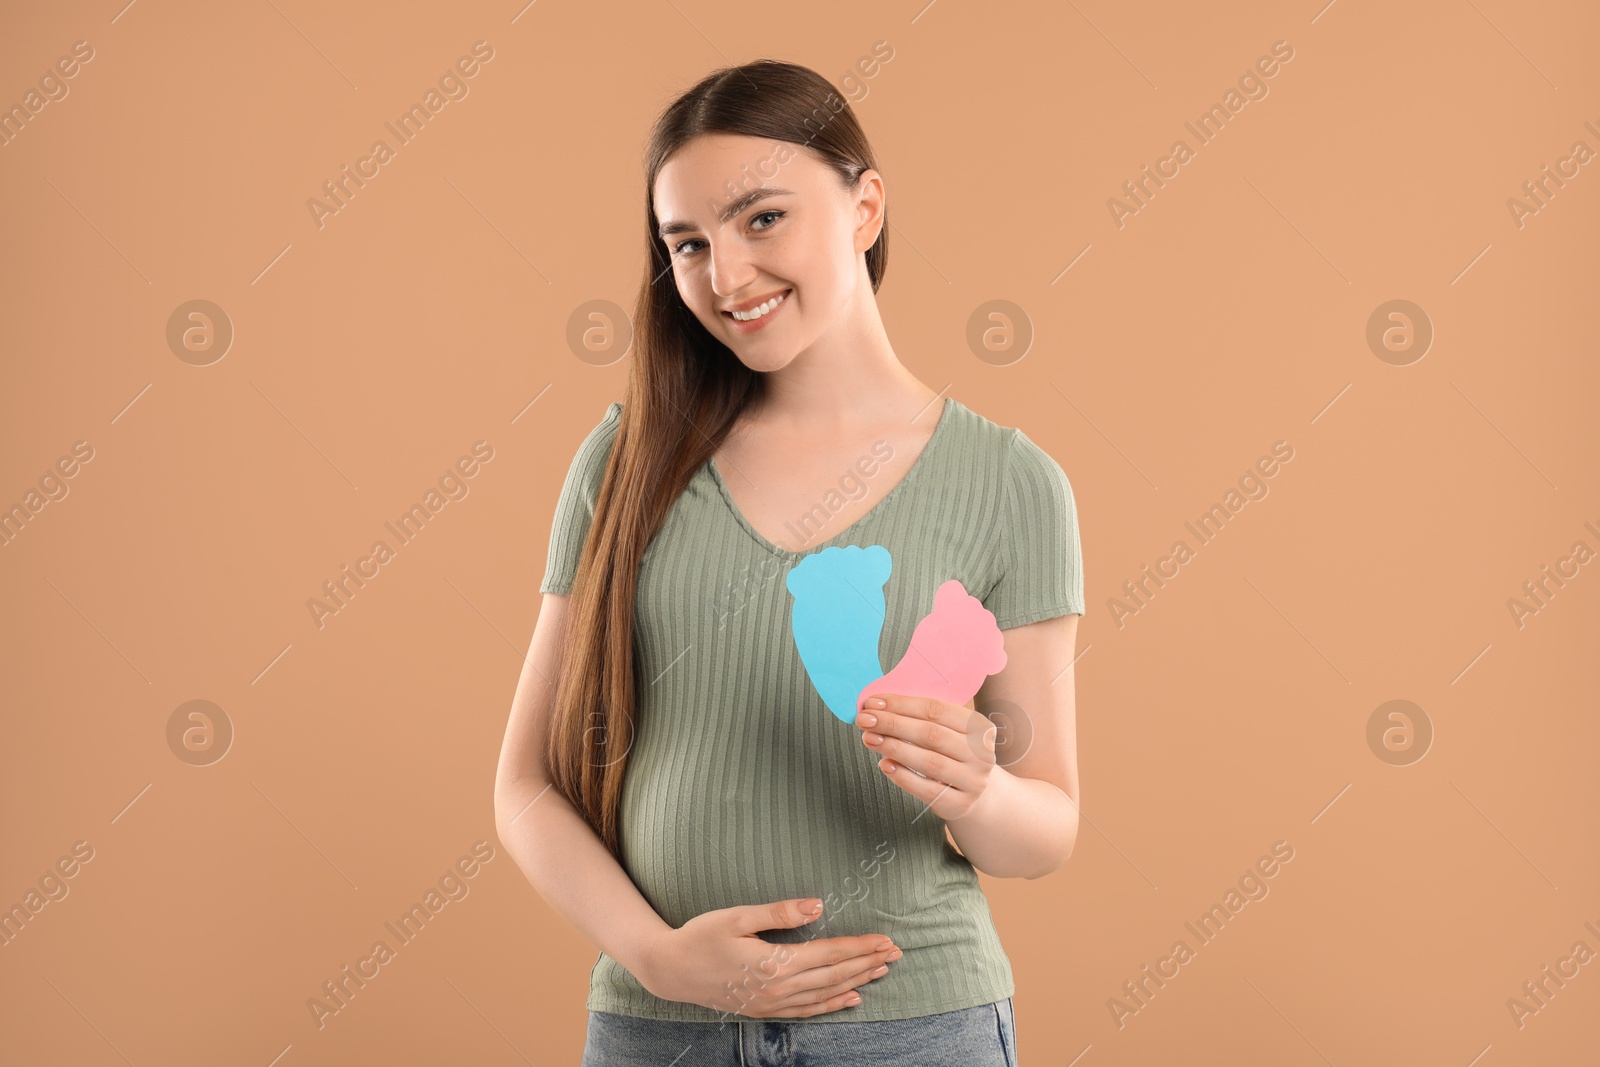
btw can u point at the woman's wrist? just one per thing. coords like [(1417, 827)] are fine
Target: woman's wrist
[(643, 950)]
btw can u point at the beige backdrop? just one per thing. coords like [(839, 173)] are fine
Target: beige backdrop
[(189, 475)]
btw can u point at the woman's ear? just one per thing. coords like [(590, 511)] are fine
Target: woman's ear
[(870, 207)]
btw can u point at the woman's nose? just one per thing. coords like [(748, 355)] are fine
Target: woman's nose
[(731, 269)]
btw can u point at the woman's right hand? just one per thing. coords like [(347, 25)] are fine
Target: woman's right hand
[(716, 960)]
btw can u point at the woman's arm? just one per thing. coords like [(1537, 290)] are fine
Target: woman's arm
[(1025, 824), (717, 959), (555, 848), (1016, 819)]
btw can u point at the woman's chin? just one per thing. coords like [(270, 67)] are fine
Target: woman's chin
[(765, 362), (762, 356)]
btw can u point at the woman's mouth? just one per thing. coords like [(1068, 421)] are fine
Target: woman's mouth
[(758, 316)]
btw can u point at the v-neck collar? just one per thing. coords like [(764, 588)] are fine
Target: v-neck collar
[(917, 464)]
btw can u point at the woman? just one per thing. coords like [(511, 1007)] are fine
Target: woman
[(763, 878)]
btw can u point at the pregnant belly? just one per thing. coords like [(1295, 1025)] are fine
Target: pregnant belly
[(699, 842)]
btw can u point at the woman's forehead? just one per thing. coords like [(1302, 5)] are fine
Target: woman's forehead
[(719, 167)]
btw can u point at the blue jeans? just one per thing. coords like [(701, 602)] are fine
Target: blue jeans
[(981, 1036)]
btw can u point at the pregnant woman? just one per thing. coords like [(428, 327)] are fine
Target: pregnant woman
[(769, 882)]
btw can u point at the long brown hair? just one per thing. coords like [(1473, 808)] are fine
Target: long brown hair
[(685, 391)]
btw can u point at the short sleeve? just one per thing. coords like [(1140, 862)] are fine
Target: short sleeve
[(1040, 559), (575, 506)]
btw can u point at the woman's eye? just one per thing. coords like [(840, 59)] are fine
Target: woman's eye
[(679, 248)]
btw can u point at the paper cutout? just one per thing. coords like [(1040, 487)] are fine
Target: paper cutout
[(837, 620), (954, 648)]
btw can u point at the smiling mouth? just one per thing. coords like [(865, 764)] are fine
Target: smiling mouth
[(760, 311)]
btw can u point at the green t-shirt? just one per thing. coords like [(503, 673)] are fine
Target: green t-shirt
[(741, 787)]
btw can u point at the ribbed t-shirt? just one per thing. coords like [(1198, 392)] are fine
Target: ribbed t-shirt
[(741, 786)]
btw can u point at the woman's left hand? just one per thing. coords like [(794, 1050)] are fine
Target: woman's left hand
[(952, 745)]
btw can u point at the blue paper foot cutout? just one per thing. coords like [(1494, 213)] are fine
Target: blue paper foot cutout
[(838, 620)]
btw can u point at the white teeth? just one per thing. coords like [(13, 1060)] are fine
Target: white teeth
[(760, 310)]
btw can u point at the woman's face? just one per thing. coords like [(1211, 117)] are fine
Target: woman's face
[(746, 221)]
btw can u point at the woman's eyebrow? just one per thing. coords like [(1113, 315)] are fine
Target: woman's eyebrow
[(669, 228)]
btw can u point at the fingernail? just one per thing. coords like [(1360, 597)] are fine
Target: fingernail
[(896, 954), (876, 702), (853, 999), (866, 718)]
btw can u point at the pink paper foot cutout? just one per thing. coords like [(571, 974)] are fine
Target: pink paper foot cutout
[(953, 649)]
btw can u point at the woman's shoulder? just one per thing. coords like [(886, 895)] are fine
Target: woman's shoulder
[(589, 461), (1019, 455), (604, 431), (1035, 489)]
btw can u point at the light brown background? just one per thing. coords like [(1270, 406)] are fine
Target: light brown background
[(432, 311)]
